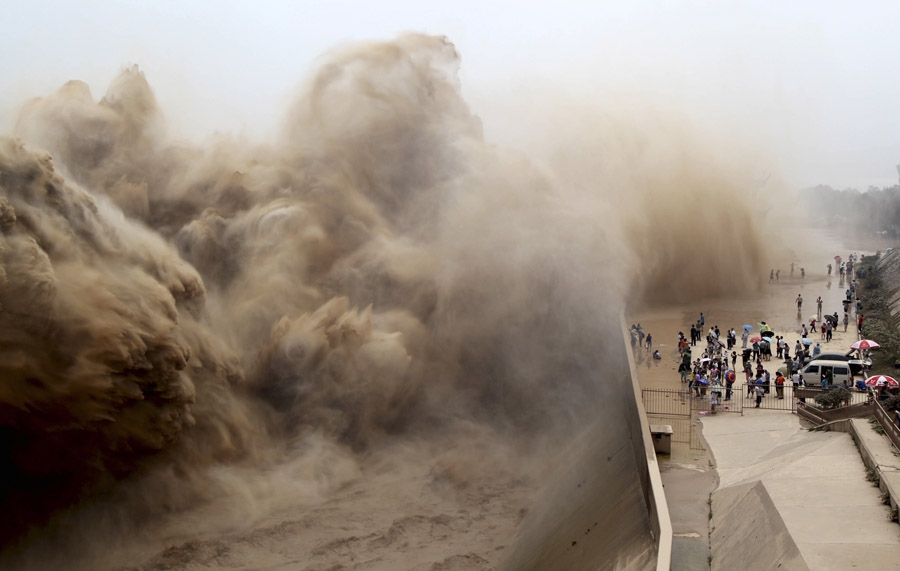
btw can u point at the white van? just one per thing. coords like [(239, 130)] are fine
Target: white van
[(815, 370)]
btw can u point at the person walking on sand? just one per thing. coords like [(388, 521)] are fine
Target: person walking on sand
[(760, 391), (777, 275), (792, 269), (799, 302), (846, 320), (649, 341)]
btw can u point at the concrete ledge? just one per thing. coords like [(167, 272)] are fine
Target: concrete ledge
[(878, 454), (660, 520), (747, 531)]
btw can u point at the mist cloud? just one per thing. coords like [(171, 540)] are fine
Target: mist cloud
[(380, 272)]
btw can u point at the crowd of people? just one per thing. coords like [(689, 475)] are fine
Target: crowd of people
[(713, 371)]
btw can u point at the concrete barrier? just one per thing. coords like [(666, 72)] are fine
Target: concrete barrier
[(747, 532), (604, 507)]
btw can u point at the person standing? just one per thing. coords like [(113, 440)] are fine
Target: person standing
[(846, 320), (744, 336), (799, 303), (819, 307), (829, 330), (779, 386), (859, 323), (702, 321), (760, 391), (649, 341)]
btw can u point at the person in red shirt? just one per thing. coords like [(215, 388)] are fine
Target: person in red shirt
[(779, 386)]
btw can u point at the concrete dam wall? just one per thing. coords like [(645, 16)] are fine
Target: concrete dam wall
[(605, 507)]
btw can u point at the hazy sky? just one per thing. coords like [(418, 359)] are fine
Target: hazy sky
[(815, 83)]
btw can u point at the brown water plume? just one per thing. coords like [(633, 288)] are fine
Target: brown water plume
[(204, 328)]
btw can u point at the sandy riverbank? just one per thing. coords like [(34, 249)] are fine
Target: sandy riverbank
[(774, 303)]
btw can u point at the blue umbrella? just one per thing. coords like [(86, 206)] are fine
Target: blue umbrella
[(806, 341), (748, 327), (703, 381)]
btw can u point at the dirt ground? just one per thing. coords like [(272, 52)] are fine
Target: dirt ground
[(775, 304)]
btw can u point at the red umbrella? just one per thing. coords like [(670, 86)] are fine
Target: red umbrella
[(882, 380), (865, 344), (755, 339)]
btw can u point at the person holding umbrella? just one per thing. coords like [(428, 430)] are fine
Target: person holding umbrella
[(759, 390)]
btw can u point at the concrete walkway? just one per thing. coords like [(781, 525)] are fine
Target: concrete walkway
[(789, 498)]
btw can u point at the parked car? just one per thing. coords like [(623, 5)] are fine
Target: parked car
[(856, 365), (840, 371)]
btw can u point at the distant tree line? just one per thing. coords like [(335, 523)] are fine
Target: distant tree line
[(875, 211)]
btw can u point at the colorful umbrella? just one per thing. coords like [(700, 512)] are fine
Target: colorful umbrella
[(865, 344), (755, 339), (729, 376), (882, 380)]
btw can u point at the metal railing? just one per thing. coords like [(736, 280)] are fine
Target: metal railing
[(667, 401), (787, 397), (887, 423)]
